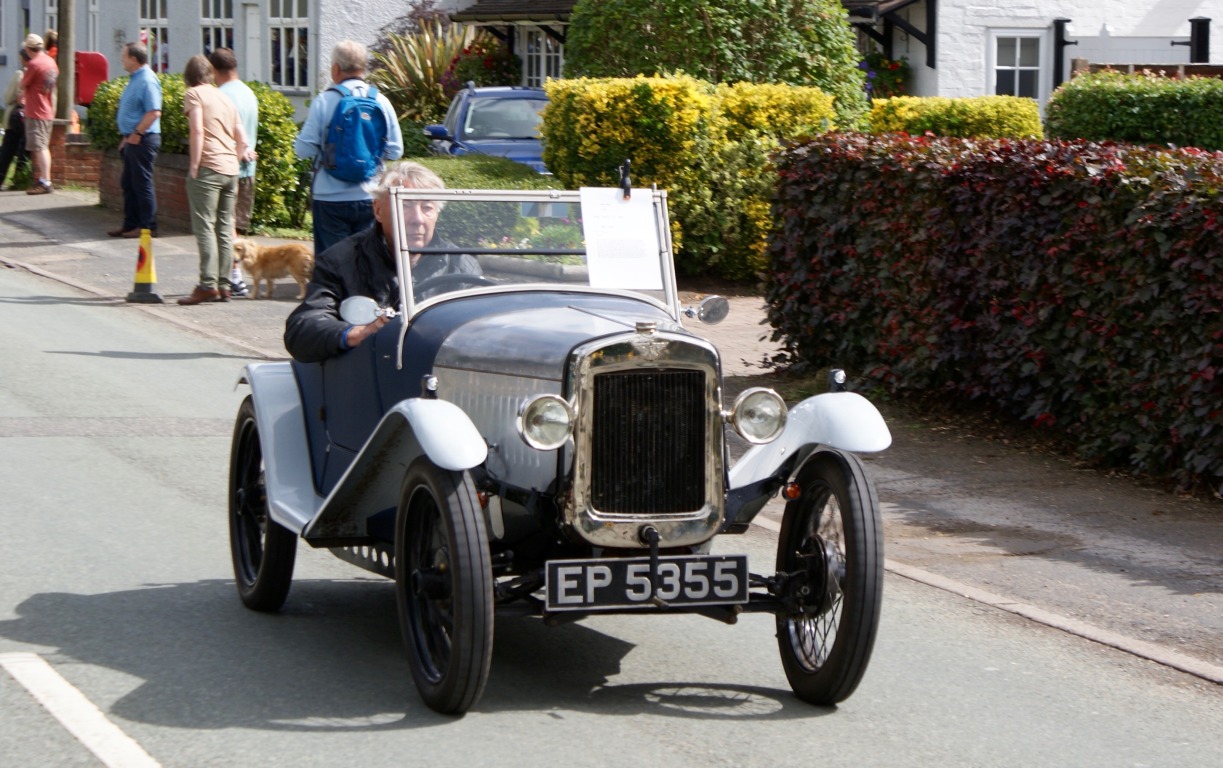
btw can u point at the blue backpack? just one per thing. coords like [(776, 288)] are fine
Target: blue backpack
[(356, 138)]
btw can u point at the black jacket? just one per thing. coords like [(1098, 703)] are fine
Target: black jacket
[(360, 265)]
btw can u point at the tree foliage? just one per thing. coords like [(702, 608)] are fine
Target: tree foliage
[(762, 41)]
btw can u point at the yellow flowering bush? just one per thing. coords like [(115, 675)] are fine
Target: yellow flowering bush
[(708, 146), (980, 117), (773, 109)]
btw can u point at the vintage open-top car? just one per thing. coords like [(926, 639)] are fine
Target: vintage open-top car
[(547, 437)]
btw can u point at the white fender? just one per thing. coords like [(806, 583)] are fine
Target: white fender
[(437, 429), (292, 501), (843, 420), (446, 434)]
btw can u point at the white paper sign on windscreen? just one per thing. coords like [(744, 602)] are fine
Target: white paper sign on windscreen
[(622, 249)]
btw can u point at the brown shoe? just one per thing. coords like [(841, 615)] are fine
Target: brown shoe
[(201, 295), (225, 294), (131, 234), (116, 232), (39, 189)]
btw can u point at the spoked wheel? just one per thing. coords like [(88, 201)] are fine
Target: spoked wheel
[(831, 546), (263, 550), (444, 586)]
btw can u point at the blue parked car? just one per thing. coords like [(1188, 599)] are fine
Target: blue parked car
[(501, 121)]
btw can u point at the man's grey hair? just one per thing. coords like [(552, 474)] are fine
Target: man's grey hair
[(406, 173), (350, 57)]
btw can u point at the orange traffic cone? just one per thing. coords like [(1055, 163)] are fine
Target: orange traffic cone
[(145, 290)]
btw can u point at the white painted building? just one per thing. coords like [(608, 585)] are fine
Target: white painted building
[(285, 43), (981, 47), (954, 47)]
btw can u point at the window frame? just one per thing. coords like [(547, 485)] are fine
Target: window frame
[(216, 31), (1043, 67), (155, 33), (542, 56), (299, 26)]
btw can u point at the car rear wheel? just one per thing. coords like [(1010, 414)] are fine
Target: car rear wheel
[(831, 548), (263, 550), (444, 586)]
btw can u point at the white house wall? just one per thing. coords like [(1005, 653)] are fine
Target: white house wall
[(117, 21), (1113, 31)]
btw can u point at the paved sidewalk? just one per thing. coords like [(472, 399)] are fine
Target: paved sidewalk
[(63, 235)]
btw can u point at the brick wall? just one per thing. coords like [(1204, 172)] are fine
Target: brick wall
[(169, 179), (75, 162)]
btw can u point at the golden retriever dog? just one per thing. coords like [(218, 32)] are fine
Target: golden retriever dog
[(265, 263)]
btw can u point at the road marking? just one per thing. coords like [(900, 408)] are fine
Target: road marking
[(1140, 648), (75, 712)]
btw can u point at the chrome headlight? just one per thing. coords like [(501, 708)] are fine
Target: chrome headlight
[(758, 415), (545, 422)]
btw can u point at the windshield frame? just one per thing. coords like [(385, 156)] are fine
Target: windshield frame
[(402, 255)]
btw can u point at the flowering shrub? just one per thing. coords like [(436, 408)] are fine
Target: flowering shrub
[(708, 146), (979, 117), (1076, 285), (773, 109), (486, 61), (885, 78)]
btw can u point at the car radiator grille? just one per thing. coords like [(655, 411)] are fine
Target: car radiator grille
[(648, 442)]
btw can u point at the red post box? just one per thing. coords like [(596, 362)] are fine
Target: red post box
[(91, 71)]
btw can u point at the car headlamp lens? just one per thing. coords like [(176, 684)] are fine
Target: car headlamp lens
[(758, 415), (545, 422)]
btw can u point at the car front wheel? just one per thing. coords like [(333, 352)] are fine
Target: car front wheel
[(444, 586), (831, 550), (263, 550)]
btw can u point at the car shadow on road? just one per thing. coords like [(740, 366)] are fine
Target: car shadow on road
[(331, 661)]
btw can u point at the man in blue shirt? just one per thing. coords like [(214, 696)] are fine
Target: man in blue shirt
[(139, 121), (341, 208)]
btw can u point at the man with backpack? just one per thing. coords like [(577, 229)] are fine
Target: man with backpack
[(350, 130)]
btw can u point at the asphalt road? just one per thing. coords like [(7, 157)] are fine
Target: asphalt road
[(114, 436), (1034, 533)]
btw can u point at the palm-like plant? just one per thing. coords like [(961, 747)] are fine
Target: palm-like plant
[(409, 72)]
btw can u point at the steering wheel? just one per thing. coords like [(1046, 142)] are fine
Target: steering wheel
[(424, 288)]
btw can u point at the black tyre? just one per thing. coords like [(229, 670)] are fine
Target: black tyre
[(444, 586), (263, 550), (831, 545)]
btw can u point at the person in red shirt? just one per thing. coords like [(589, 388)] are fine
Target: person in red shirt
[(38, 85)]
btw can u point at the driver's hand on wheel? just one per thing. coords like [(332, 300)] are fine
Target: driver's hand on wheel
[(359, 333)]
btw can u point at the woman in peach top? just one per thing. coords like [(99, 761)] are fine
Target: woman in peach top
[(217, 144)]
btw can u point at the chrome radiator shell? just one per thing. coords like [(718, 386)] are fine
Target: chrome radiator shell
[(674, 446)]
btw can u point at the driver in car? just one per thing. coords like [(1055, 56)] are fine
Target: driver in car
[(364, 265)]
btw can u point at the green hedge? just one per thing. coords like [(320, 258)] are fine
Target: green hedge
[(280, 199), (982, 117), (1140, 108), (1077, 285), (708, 146)]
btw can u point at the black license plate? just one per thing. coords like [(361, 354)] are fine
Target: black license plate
[(617, 583)]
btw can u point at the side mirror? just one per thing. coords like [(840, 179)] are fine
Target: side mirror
[(436, 132), (359, 310), (710, 311)]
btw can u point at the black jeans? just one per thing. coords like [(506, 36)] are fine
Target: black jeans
[(13, 146), (139, 196)]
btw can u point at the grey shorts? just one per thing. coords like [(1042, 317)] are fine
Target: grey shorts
[(37, 134)]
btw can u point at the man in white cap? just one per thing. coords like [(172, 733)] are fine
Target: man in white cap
[(38, 85)]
